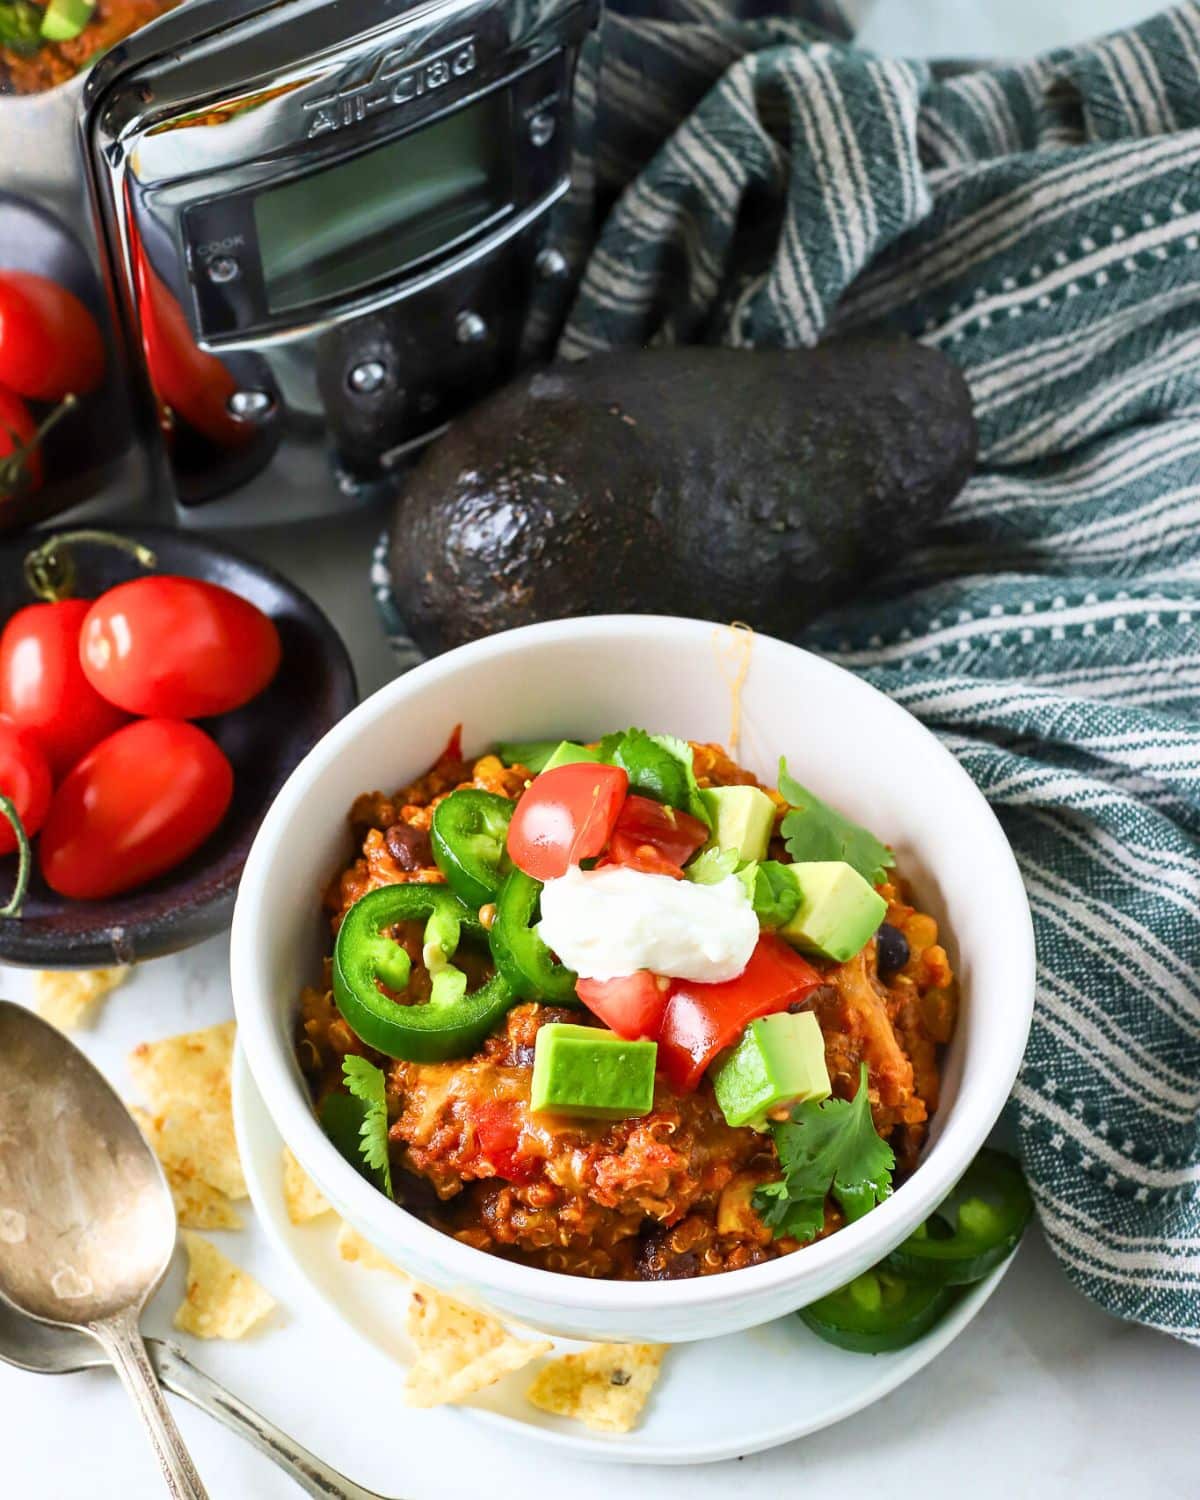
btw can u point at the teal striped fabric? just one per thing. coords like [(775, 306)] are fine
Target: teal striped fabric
[(747, 177)]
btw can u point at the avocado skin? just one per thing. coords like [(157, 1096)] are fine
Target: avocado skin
[(760, 486)]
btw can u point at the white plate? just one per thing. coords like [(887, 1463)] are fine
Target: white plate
[(715, 1400)]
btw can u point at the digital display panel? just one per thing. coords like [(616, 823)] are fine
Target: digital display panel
[(364, 219)]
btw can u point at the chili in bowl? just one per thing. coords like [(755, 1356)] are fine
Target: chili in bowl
[(632, 1115), (622, 1033)]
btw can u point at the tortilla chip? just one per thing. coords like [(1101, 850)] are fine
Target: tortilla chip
[(605, 1386), (198, 1205), (68, 998), (193, 1068), (188, 1082), (459, 1350), (303, 1199), (222, 1301), (352, 1247)]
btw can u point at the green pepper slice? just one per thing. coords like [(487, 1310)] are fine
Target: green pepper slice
[(976, 1228), (468, 835), (521, 956), (877, 1312), (532, 754), (451, 1023), (341, 1118)]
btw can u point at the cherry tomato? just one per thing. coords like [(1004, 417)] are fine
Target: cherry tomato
[(18, 431), (177, 648), (42, 686), (564, 816), (50, 345), (134, 807), (702, 1019), (653, 838), (632, 1006), (24, 780)]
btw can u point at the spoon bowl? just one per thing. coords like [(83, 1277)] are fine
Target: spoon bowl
[(45, 1349), (87, 1222), (86, 1216)]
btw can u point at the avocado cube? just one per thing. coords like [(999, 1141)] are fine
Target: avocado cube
[(838, 911), (742, 819), (570, 754), (586, 1072), (780, 1061), (63, 20)]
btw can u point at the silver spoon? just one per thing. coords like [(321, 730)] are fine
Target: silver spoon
[(45, 1350), (86, 1218)]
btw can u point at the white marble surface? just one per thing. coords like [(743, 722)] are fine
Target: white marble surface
[(1044, 1395)]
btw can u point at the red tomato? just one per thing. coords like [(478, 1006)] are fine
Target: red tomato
[(24, 780), (565, 815), (623, 850), (675, 834), (42, 686), (177, 648), (632, 1006), (136, 806), (653, 838), (498, 1131), (17, 431), (702, 1019), (50, 345)]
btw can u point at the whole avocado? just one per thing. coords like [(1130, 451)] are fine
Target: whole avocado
[(761, 486)]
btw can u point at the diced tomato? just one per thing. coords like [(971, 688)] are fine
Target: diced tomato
[(564, 816), (632, 1006), (622, 850), (677, 836), (498, 1129), (702, 1019)]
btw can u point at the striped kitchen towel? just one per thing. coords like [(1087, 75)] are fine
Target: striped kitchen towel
[(746, 176)]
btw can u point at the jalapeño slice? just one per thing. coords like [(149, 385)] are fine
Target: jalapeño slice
[(452, 1022), (976, 1228), (468, 836), (877, 1312), (521, 956)]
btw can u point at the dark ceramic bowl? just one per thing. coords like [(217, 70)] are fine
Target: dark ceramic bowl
[(264, 741)]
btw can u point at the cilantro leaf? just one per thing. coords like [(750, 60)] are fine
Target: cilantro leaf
[(776, 895), (21, 26), (826, 1147), (658, 766), (711, 866), (813, 830), (366, 1084)]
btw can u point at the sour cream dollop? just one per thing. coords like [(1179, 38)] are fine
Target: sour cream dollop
[(611, 922)]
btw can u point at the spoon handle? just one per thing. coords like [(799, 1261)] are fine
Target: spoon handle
[(313, 1476), (122, 1342)]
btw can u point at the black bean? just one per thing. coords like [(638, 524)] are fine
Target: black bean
[(891, 951), (409, 846)]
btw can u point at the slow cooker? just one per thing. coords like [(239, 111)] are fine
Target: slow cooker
[(315, 230)]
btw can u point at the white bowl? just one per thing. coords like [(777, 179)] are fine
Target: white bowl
[(582, 678)]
